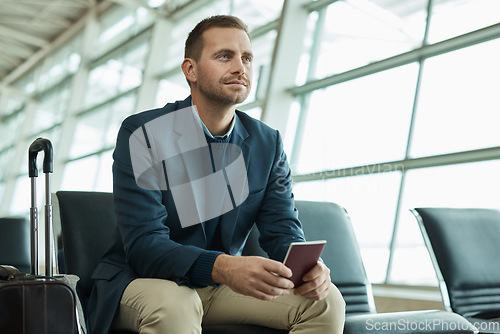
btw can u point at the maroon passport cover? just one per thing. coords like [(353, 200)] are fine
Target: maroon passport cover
[(302, 257)]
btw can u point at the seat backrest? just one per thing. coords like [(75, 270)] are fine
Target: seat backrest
[(464, 245), (87, 225), (15, 243), (330, 222)]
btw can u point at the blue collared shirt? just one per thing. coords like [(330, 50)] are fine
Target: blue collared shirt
[(207, 132)]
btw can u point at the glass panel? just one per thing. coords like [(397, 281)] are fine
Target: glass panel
[(15, 102), (305, 57), (105, 173), (451, 18), (80, 174), (465, 185), (412, 265), (21, 200), (263, 48), (459, 104), (11, 128), (134, 60), (371, 203), (59, 65), (290, 137), (23, 169), (119, 25), (118, 74), (119, 110), (6, 157), (26, 83), (171, 89), (51, 108), (2, 193), (254, 112), (103, 82), (90, 132), (359, 122), (359, 32), (257, 12)]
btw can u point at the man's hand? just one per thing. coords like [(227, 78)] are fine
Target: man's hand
[(316, 284), (253, 276)]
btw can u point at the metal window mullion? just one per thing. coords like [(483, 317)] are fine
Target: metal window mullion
[(428, 21), (392, 245), (395, 228), (305, 99)]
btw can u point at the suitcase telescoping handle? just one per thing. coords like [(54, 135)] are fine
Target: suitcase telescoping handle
[(40, 144)]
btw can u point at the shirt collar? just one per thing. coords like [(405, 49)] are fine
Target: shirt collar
[(207, 132)]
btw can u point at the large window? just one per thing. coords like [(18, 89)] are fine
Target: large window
[(459, 104), (117, 73), (391, 121), (371, 202), (462, 185), (358, 122), (450, 18), (358, 32)]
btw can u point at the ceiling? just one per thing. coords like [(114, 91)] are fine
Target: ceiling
[(28, 27)]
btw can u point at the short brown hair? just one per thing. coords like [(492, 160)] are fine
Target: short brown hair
[(194, 42)]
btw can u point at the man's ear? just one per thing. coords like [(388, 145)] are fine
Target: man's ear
[(189, 68)]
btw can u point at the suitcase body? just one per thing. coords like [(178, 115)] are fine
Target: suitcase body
[(32, 303), (35, 305)]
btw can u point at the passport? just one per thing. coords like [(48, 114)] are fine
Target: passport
[(302, 257)]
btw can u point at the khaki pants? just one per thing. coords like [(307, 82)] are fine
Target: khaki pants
[(155, 306)]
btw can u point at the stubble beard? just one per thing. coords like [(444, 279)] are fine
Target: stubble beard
[(215, 91)]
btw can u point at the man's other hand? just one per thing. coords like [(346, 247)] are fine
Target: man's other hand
[(316, 284), (253, 276)]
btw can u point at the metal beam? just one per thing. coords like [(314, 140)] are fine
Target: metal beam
[(8, 58), (21, 50), (24, 37), (22, 21), (475, 37), (486, 154), (73, 3)]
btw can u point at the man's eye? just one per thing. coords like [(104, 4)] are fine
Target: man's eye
[(247, 59), (224, 56)]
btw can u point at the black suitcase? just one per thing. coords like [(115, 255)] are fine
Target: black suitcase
[(33, 303)]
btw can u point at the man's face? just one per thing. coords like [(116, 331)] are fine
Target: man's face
[(224, 71)]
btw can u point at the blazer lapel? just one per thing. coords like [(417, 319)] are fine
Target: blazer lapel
[(188, 136), (228, 221)]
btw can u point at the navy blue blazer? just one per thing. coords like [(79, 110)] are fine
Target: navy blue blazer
[(151, 243)]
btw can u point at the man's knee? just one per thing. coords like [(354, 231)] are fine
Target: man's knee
[(336, 303), (167, 297), (329, 313), (162, 301), (330, 309)]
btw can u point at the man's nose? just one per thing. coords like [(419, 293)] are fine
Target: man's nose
[(238, 66)]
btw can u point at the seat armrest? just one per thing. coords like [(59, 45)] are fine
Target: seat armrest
[(413, 322)]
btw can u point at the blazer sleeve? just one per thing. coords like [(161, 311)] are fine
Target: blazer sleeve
[(277, 220), (141, 217)]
